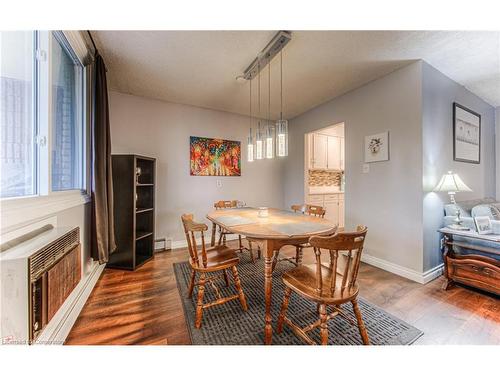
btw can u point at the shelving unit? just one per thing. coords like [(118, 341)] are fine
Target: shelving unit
[(134, 210)]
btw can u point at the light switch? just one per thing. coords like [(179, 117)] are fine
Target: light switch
[(366, 168), (219, 183)]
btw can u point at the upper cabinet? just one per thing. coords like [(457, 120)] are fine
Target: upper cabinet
[(320, 151), (333, 153), (326, 152)]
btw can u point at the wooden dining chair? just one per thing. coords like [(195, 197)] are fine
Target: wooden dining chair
[(306, 209), (329, 285), (221, 205), (209, 260)]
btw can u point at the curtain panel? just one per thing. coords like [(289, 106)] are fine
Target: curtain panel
[(103, 236)]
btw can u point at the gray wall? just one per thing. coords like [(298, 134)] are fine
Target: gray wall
[(439, 92), (388, 198), (161, 130)]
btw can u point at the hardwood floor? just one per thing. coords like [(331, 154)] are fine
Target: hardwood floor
[(144, 307)]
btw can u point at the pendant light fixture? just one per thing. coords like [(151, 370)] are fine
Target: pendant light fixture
[(250, 150), (259, 146), (281, 125), (270, 139), (270, 127)]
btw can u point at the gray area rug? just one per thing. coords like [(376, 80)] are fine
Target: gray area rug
[(228, 324)]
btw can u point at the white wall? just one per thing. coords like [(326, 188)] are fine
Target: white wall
[(388, 199), (161, 130), (439, 92)]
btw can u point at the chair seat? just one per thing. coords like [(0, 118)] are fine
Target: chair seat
[(218, 257), (302, 280)]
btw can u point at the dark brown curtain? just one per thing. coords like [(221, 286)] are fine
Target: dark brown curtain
[(103, 228)]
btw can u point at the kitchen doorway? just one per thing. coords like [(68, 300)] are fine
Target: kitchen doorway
[(324, 176)]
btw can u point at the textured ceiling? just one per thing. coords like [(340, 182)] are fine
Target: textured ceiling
[(200, 67)]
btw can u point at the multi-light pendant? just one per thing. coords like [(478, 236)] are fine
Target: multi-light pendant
[(270, 138)]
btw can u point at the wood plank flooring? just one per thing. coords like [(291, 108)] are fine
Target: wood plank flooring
[(144, 307)]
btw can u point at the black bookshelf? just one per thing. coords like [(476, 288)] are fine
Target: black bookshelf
[(134, 210)]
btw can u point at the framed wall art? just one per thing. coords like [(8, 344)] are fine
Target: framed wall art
[(377, 147), (466, 135), (214, 157)]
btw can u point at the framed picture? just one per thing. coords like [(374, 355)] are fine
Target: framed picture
[(214, 157), (483, 225), (377, 147), (466, 135)]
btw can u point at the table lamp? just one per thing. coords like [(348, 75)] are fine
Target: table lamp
[(452, 183)]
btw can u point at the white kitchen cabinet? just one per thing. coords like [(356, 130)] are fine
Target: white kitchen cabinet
[(320, 151), (315, 199), (333, 153), (332, 203), (326, 152), (332, 210)]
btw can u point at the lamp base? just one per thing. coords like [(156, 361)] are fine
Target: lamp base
[(458, 227)]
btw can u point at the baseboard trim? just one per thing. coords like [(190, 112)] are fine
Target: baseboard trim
[(59, 327), (433, 273), (183, 243), (419, 277)]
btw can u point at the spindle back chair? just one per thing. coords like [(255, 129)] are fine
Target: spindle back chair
[(306, 209), (222, 205), (205, 260), (331, 285)]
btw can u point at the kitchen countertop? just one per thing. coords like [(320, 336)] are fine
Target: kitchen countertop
[(321, 190)]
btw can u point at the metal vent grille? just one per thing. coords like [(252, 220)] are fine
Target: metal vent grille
[(44, 258)]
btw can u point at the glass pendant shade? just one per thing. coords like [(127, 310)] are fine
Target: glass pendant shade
[(270, 142), (259, 145), (282, 138), (250, 150)]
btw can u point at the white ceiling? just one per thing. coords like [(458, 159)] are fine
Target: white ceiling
[(200, 67)]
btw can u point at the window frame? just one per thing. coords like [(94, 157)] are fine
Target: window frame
[(45, 202)]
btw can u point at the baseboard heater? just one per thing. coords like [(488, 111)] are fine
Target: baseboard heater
[(51, 265)]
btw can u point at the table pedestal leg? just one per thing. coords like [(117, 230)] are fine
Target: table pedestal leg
[(268, 281)]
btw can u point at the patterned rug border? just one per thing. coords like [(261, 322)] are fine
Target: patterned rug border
[(195, 334)]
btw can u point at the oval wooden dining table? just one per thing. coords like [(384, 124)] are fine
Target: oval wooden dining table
[(278, 229)]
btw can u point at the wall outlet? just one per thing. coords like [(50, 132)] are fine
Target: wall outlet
[(366, 168), (219, 183)]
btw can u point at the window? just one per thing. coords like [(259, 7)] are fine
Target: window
[(67, 118), (42, 138), (17, 120)]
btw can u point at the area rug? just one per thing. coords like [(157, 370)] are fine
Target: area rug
[(228, 324)]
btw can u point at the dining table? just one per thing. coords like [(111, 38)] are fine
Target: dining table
[(271, 229)]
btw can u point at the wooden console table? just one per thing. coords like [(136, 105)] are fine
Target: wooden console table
[(479, 271)]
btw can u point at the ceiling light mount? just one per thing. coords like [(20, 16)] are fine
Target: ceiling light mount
[(274, 47)]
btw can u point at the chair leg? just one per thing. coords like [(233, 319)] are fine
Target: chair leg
[(298, 255), (212, 239), (224, 239), (323, 328), (241, 295), (191, 284), (284, 308), (221, 234), (275, 259), (361, 324), (226, 279), (199, 305), (240, 244), (250, 249)]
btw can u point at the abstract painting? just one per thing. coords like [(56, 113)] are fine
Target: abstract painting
[(214, 157), (466, 134), (377, 147)]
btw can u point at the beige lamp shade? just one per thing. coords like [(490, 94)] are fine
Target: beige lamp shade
[(451, 182)]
